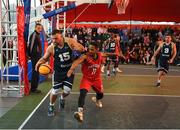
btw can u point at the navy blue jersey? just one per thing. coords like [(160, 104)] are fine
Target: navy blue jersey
[(165, 55), (111, 47), (63, 59), (166, 51)]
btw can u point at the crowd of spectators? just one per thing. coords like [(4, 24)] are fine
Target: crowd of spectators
[(137, 43)]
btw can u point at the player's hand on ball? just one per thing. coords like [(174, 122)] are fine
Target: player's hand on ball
[(37, 66)]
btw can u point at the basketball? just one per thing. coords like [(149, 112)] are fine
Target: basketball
[(44, 69)]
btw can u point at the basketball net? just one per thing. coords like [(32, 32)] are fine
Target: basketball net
[(121, 6)]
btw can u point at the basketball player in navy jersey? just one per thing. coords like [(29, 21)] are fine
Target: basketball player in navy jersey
[(61, 49), (167, 52), (112, 46)]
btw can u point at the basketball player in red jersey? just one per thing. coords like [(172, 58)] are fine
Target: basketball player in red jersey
[(91, 69)]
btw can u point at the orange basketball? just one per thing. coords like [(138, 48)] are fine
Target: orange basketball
[(44, 69)]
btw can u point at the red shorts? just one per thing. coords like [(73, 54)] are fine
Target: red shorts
[(95, 84)]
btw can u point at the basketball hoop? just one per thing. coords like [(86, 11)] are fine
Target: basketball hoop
[(121, 6)]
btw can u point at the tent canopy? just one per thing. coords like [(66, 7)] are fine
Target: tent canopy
[(138, 10)]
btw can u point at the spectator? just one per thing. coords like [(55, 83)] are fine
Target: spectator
[(35, 51)]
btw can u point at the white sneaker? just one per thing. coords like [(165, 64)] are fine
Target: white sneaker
[(114, 71), (102, 69), (98, 102), (118, 70), (78, 116), (108, 73)]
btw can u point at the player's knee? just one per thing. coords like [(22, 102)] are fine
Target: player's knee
[(164, 73), (54, 91), (99, 96), (67, 89)]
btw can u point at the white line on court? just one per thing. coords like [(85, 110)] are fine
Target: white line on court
[(23, 124), (108, 94), (141, 75), (171, 68), (137, 95), (148, 68), (138, 75)]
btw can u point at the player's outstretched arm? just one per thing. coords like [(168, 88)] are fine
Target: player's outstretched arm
[(153, 57), (155, 53), (75, 64), (45, 58), (105, 54), (174, 53), (121, 55)]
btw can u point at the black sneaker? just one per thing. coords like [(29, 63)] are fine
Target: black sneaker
[(51, 110), (61, 103), (158, 85)]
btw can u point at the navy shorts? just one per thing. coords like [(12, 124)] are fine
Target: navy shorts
[(63, 80), (163, 65)]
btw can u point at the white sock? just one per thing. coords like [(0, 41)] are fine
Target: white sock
[(108, 72), (61, 97), (159, 81), (114, 69), (80, 109), (51, 104)]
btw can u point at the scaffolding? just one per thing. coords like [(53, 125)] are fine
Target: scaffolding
[(9, 51), (8, 40)]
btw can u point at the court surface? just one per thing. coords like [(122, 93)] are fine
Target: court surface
[(120, 110)]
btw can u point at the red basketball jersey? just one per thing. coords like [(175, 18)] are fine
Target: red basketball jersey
[(91, 68)]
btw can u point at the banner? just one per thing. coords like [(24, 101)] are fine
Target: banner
[(20, 29), (27, 11), (43, 41), (22, 48), (59, 10)]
